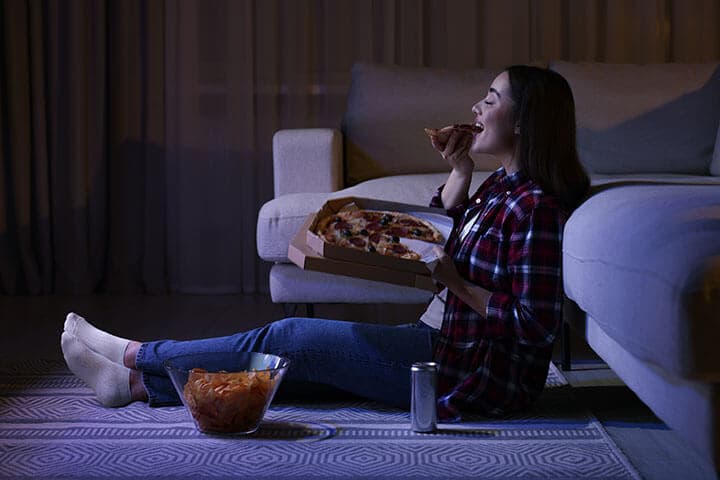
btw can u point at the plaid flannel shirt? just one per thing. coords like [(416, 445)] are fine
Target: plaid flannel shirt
[(497, 361)]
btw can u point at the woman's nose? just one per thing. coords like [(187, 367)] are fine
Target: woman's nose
[(476, 109)]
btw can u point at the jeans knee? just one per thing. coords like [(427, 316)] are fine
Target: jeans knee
[(295, 334), (288, 334), (288, 324)]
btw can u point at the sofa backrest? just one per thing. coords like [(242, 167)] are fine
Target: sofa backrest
[(655, 118), (388, 107)]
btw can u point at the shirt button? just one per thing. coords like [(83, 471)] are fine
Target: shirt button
[(478, 200), (507, 192)]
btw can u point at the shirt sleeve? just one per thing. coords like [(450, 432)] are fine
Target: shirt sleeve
[(532, 310), (455, 212)]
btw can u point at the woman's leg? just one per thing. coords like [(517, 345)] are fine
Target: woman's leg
[(369, 360)]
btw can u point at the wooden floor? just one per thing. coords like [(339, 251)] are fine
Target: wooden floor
[(32, 327)]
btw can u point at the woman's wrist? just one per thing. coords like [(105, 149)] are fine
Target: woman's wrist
[(465, 170)]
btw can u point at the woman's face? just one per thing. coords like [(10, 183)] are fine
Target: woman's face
[(494, 114)]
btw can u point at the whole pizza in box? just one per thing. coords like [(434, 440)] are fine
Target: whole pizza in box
[(377, 231)]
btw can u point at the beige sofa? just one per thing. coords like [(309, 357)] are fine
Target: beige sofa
[(641, 255)]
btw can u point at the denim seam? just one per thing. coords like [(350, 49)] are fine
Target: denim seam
[(152, 398), (139, 357)]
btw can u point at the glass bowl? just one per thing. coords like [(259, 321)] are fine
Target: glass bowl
[(226, 392)]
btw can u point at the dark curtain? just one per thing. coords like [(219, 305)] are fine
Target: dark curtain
[(82, 131)]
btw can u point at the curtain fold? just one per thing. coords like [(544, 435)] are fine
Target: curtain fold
[(135, 136), (82, 157), (135, 148)]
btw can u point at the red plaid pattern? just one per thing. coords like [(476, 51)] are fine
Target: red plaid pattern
[(497, 361)]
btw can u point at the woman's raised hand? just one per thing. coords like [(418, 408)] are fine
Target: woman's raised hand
[(456, 151)]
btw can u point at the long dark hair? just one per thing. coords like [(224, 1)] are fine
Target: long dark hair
[(546, 150)]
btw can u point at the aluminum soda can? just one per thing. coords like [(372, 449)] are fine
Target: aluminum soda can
[(423, 406)]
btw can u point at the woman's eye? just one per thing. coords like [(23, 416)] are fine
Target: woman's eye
[(488, 103)]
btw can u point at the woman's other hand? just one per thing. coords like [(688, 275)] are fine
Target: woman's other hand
[(443, 269), (456, 151)]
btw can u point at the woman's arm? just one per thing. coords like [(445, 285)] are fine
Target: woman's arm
[(444, 272), (456, 152), (456, 189)]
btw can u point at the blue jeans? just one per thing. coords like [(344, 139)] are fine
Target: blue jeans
[(372, 361)]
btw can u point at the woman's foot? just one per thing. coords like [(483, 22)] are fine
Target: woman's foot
[(109, 381), (109, 346)]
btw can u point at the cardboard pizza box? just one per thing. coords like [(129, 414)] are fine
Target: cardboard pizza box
[(328, 250), (306, 258), (310, 252)]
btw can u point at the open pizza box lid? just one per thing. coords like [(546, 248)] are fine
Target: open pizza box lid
[(400, 271)]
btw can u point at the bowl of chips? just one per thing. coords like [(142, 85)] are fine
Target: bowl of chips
[(227, 392)]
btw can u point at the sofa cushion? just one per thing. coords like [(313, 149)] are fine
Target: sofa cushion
[(280, 218), (644, 262), (289, 284), (599, 179), (388, 107), (645, 118)]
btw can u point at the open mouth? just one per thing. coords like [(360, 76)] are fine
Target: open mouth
[(468, 127)]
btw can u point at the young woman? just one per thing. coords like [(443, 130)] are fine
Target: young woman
[(491, 328)]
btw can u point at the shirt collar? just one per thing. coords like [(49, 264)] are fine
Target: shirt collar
[(511, 181)]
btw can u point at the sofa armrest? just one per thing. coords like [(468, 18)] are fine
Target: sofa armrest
[(307, 160)]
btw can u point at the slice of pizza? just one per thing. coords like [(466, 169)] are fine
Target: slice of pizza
[(442, 135), (390, 245)]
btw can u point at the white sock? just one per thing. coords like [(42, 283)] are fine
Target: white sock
[(109, 346), (109, 381)]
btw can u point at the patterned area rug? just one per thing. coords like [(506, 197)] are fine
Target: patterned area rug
[(51, 427)]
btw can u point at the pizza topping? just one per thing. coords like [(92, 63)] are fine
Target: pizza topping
[(357, 241), (375, 237), (347, 233), (364, 232), (340, 225), (409, 222), (398, 231), (399, 248)]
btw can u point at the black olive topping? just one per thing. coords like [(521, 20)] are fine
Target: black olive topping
[(417, 232), (347, 233), (396, 239), (364, 232), (385, 219), (371, 248)]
